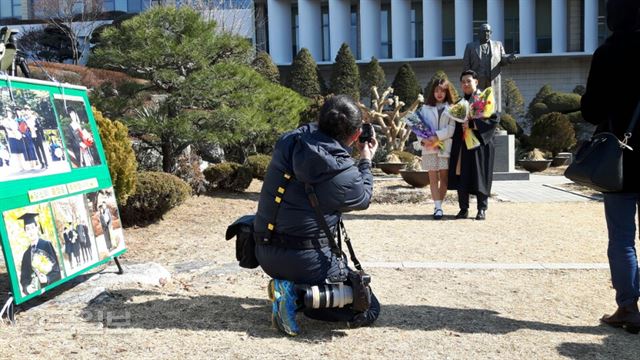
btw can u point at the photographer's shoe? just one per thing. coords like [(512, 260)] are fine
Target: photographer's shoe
[(463, 214), (283, 311), (482, 215), (627, 317)]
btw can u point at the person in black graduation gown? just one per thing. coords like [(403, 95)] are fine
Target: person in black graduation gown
[(471, 171), (32, 278)]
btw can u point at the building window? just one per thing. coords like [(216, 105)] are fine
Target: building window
[(448, 28), (543, 26), (385, 31), (479, 16), (575, 25), (11, 9), (108, 5), (136, 6), (511, 26), (295, 30), (603, 30), (262, 30), (326, 41), (354, 40), (417, 45)]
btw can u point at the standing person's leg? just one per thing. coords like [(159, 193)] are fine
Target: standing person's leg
[(435, 194), (620, 211), (463, 203), (444, 181), (483, 205)]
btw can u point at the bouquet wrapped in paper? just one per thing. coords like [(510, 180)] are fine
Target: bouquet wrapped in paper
[(423, 129), (483, 105), (459, 111)]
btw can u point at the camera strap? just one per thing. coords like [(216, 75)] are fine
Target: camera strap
[(335, 246)]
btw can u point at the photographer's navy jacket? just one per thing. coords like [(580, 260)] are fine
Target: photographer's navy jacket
[(340, 185)]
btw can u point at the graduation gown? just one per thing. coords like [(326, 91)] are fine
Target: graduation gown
[(476, 165), (26, 271)]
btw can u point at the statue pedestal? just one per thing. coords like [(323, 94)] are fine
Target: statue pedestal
[(504, 165)]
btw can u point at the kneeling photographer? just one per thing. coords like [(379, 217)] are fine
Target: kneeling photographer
[(310, 182)]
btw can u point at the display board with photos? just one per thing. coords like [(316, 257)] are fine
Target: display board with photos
[(58, 212)]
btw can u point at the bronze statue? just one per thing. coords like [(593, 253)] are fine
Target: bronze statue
[(486, 57), (11, 58)]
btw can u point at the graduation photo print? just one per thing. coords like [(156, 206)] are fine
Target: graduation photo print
[(34, 247), (30, 143), (78, 244), (106, 222), (78, 136)]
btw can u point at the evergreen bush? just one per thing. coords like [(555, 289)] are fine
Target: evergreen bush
[(508, 123), (258, 164), (553, 132), (372, 75), (562, 102), (264, 65), (121, 159), (512, 99), (405, 85), (228, 176), (345, 76), (155, 194), (303, 77), (537, 110)]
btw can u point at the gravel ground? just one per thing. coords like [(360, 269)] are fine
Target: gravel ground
[(211, 308)]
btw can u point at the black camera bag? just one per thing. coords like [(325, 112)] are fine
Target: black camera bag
[(242, 229)]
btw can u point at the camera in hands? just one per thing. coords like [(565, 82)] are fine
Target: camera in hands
[(367, 133)]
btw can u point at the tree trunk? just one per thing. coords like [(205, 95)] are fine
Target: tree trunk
[(167, 158)]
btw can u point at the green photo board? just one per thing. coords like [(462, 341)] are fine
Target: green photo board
[(58, 213)]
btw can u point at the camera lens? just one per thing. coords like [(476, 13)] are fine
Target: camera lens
[(328, 296)]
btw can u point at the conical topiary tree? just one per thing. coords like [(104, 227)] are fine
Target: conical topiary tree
[(120, 156), (303, 78), (264, 65), (345, 77), (512, 99), (372, 75), (405, 85)]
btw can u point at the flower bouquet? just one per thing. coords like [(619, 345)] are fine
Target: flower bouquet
[(421, 127), (483, 104), (41, 263), (459, 111)]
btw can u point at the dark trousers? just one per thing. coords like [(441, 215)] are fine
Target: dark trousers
[(620, 211), (463, 200), (42, 155)]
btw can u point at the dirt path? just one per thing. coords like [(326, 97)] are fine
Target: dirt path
[(213, 309)]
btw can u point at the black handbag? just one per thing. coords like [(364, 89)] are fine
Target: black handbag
[(598, 164)]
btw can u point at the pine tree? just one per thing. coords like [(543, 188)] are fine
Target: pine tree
[(303, 78), (372, 75), (345, 77), (405, 85), (264, 65), (513, 100)]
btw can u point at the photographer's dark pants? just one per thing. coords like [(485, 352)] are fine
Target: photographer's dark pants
[(463, 200), (311, 267)]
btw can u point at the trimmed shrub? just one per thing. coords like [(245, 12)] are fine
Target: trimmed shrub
[(264, 65), (228, 176), (303, 77), (156, 193), (372, 75), (258, 164), (562, 102), (121, 158), (405, 85), (512, 99), (345, 76), (553, 132), (508, 123), (537, 110), (405, 156)]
